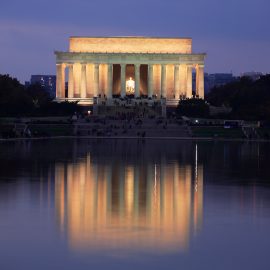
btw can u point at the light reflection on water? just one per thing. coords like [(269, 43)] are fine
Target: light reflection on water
[(70, 204), (116, 206)]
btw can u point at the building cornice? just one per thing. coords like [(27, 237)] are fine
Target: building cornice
[(129, 58), (131, 37)]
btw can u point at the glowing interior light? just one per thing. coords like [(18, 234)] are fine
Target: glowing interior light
[(130, 86)]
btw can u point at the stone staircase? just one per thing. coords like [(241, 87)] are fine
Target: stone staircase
[(172, 102), (141, 128), (140, 110)]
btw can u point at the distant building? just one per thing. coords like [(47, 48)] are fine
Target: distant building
[(48, 82), (26, 83), (253, 75), (217, 79)]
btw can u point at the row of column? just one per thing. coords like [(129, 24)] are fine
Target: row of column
[(60, 93), (83, 89)]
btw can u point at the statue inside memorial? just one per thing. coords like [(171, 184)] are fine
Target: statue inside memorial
[(130, 86)]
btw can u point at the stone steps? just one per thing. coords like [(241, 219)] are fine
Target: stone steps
[(122, 129)]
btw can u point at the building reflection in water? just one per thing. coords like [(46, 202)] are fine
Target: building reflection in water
[(124, 206)]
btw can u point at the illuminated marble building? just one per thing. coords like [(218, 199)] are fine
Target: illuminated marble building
[(103, 68), (128, 206)]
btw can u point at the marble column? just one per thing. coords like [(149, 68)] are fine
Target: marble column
[(176, 82), (83, 81), (200, 81), (89, 79), (96, 80), (163, 81), (60, 84), (137, 80), (189, 82), (150, 81), (123, 80), (196, 80), (70, 81), (110, 81)]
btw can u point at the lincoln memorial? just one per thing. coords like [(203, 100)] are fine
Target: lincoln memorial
[(107, 68)]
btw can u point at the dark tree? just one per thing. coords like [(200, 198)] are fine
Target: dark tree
[(248, 99), (16, 101), (39, 96), (193, 107)]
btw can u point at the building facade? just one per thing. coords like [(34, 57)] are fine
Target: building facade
[(139, 67), (218, 79), (253, 75), (48, 83)]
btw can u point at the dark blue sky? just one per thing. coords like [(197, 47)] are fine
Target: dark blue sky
[(234, 33)]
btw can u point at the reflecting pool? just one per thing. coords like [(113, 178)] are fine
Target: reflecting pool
[(125, 204)]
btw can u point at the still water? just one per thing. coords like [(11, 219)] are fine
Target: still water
[(111, 204)]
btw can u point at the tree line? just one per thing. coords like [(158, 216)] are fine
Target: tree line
[(16, 100), (248, 99)]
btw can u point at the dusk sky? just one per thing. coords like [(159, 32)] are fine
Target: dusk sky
[(235, 34)]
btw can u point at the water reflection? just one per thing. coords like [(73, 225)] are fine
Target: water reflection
[(111, 204), (117, 205)]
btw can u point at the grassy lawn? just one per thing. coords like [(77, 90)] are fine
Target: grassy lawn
[(51, 129), (218, 132), (264, 133), (6, 130)]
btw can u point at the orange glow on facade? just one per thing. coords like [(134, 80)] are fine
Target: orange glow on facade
[(130, 45), (98, 67)]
